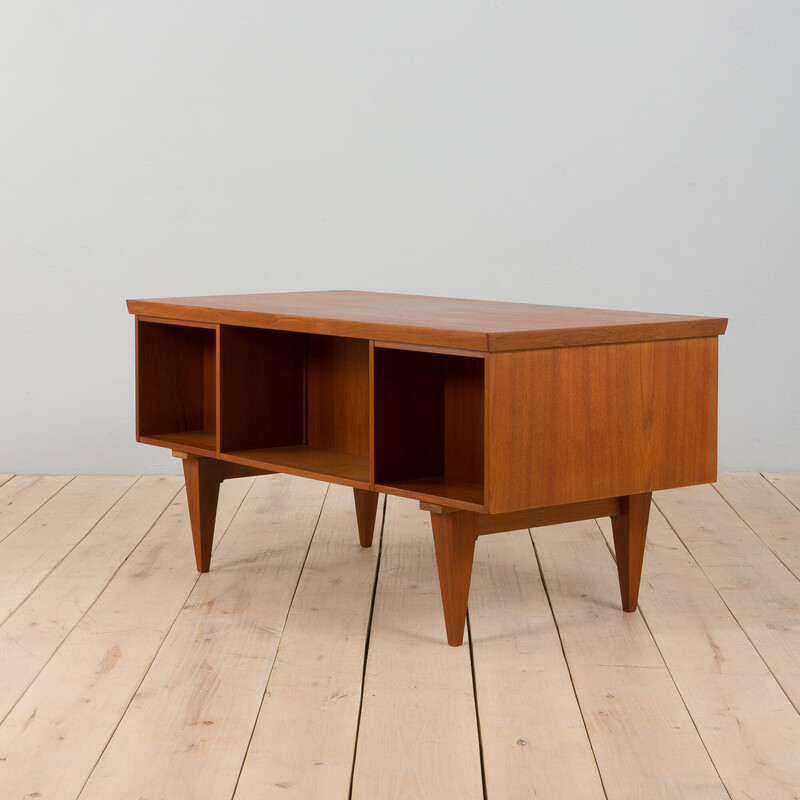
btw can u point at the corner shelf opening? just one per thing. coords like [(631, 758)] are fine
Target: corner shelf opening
[(176, 385), (429, 426)]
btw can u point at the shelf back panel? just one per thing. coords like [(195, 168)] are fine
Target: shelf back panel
[(261, 388), (464, 399), (409, 415), (337, 394), (429, 411)]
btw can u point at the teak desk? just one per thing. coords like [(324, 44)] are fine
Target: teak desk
[(496, 416)]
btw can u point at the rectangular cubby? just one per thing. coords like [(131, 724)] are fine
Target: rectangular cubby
[(296, 402), (429, 426), (176, 385)]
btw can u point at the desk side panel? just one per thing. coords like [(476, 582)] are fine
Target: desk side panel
[(581, 423)]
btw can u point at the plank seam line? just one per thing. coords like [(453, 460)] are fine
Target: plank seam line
[(280, 639), (669, 672), (730, 610), (754, 531), (366, 647), (477, 709), (778, 489), (60, 560), (85, 613), (158, 650), (566, 662), (39, 507)]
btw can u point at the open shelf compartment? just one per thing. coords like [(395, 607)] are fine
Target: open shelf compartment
[(429, 426), (295, 402), (176, 385)]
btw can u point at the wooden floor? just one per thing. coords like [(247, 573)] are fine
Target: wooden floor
[(303, 666)]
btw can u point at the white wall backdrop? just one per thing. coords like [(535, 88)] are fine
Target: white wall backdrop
[(630, 155)]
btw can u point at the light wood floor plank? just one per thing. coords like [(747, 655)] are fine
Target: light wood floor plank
[(37, 628), (36, 547), (23, 495), (643, 738), (533, 737), (768, 513), (418, 734), (52, 738), (747, 723), (759, 590), (787, 484), (186, 732), (5, 477), (316, 678)]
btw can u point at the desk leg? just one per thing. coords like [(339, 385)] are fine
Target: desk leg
[(454, 542), (366, 510), (454, 534), (630, 532), (203, 477)]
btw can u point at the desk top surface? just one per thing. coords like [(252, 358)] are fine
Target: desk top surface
[(484, 325)]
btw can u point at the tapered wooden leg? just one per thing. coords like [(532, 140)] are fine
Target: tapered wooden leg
[(366, 509), (630, 532), (455, 548), (203, 477)]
